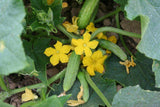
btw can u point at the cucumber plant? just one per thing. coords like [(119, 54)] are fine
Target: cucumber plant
[(32, 27)]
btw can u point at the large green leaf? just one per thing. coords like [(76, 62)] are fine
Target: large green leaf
[(36, 51), (156, 70), (12, 57), (149, 12), (136, 97), (108, 88), (140, 74)]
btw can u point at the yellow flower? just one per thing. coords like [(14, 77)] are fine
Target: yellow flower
[(101, 36), (94, 62), (72, 27), (128, 63), (108, 52), (91, 28), (84, 45), (112, 39), (79, 99), (58, 53), (28, 95), (64, 4), (49, 2)]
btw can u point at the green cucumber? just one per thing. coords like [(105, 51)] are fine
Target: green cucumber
[(86, 13), (113, 48), (82, 79), (71, 71)]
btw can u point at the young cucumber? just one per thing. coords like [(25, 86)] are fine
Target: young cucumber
[(82, 79), (114, 48), (86, 13), (71, 71)]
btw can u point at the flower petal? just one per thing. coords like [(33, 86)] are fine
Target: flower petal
[(28, 95), (90, 70), (54, 59), (58, 45), (91, 28), (99, 68), (79, 50), (97, 55), (101, 36), (49, 51), (74, 20), (64, 58), (76, 42), (93, 44), (87, 52), (87, 61), (86, 37), (102, 59), (65, 49), (112, 39), (72, 28)]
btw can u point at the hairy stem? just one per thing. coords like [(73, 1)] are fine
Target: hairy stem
[(121, 37), (107, 15), (116, 30), (39, 85), (97, 90)]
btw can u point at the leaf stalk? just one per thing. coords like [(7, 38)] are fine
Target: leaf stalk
[(116, 30), (97, 90), (108, 15)]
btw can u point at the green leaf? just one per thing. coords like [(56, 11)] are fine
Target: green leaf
[(108, 88), (12, 57), (149, 13), (136, 97), (156, 70), (53, 101), (36, 51), (5, 104), (140, 74)]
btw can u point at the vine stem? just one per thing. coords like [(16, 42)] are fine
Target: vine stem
[(121, 37), (108, 15), (2, 84), (97, 90), (39, 85), (116, 30), (69, 35)]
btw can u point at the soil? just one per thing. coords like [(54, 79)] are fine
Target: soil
[(17, 81)]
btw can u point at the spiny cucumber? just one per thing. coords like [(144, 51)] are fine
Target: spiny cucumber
[(71, 71), (82, 79), (86, 13), (114, 48)]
